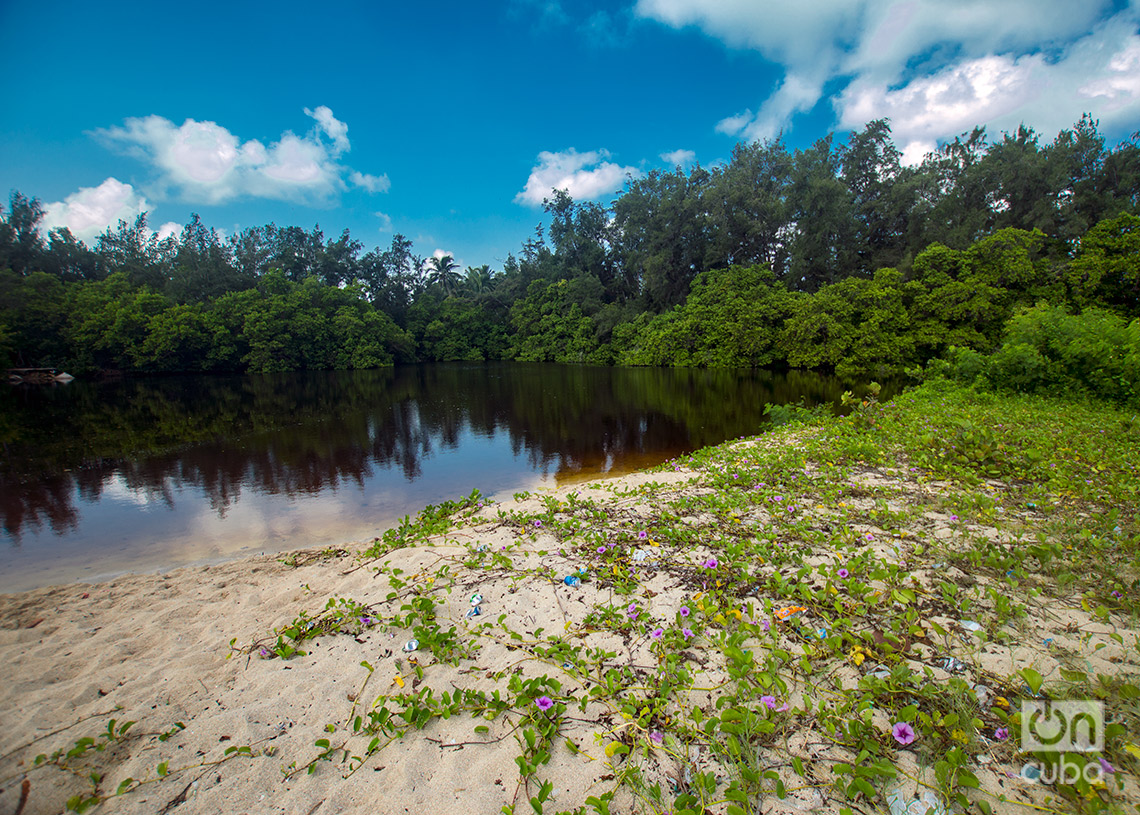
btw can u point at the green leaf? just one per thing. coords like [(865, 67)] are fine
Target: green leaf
[(1032, 679)]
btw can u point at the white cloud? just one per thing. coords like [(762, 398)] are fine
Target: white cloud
[(385, 222), (797, 35), (168, 230), (92, 209), (372, 183), (205, 162), (440, 253), (331, 127), (794, 95), (679, 158), (584, 176), (1099, 73), (935, 67)]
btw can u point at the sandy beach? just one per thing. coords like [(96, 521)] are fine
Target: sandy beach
[(671, 667)]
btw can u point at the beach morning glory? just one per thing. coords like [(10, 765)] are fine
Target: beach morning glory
[(903, 733)]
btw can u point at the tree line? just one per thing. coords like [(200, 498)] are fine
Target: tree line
[(836, 256)]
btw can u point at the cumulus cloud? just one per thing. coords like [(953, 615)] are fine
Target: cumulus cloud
[(168, 230), (372, 183), (204, 162), (679, 158), (91, 210), (584, 176), (1099, 73), (331, 127), (934, 67)]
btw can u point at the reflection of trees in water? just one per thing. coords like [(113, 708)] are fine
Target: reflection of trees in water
[(304, 433)]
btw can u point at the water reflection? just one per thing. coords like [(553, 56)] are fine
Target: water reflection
[(224, 440)]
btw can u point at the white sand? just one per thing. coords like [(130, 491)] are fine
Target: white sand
[(154, 649)]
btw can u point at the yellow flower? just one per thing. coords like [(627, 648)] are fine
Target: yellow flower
[(1001, 701), (857, 656), (958, 736)]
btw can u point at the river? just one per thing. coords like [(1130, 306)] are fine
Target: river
[(145, 474)]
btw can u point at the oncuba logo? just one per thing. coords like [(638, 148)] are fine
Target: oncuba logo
[(1062, 726)]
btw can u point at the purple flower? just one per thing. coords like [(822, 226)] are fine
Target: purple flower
[(633, 611), (953, 518), (903, 733), (657, 736), (711, 563), (264, 652), (843, 573), (688, 632), (1001, 734), (1104, 765), (768, 702), (544, 702), (685, 611), (601, 550), (767, 625), (1116, 594), (657, 633), (642, 534), (538, 523)]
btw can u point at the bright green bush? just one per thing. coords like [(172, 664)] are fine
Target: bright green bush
[(1050, 351)]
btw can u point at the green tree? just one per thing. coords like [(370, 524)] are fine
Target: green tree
[(21, 245), (731, 319), (747, 204), (822, 208), (204, 267), (135, 251), (442, 271), (1106, 270), (662, 235)]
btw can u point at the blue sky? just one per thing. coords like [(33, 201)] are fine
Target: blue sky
[(449, 122)]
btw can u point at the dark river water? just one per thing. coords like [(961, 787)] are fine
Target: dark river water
[(137, 475)]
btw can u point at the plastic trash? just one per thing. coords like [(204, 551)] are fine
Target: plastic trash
[(903, 804), (474, 612), (788, 612), (476, 599), (583, 571), (983, 694), (572, 580), (640, 555), (411, 645), (952, 665), (1031, 772), (482, 548), (970, 625), (1031, 506)]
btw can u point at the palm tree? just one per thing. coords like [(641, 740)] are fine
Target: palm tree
[(442, 272), (478, 279)]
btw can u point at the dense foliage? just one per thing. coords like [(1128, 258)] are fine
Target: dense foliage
[(836, 256)]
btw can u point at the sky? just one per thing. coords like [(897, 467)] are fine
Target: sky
[(449, 122)]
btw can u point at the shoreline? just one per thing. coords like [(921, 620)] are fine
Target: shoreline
[(185, 647)]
